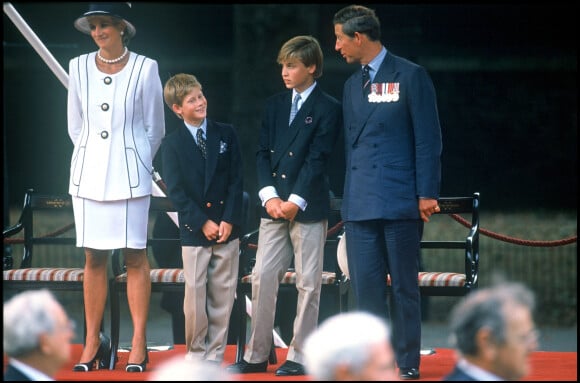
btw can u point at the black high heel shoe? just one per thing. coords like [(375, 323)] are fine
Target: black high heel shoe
[(100, 360), (138, 367)]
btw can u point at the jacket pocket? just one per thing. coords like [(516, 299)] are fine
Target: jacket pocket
[(132, 167), (77, 165)]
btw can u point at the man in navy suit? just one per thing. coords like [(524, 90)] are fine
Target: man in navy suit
[(299, 130), (393, 170), (37, 336), (202, 168), (494, 333)]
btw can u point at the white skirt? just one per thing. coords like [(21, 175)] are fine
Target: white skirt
[(108, 225)]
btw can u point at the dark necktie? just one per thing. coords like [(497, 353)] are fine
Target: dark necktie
[(366, 80), (294, 108), (201, 143)]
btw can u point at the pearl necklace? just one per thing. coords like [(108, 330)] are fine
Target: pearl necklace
[(113, 61)]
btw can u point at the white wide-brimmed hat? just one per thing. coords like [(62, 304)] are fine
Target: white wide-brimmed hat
[(118, 10)]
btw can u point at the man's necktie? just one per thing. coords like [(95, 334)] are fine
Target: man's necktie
[(366, 80), (294, 108), (201, 143)]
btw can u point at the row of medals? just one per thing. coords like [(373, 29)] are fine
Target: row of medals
[(384, 92)]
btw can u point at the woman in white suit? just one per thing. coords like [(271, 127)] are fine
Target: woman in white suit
[(116, 123)]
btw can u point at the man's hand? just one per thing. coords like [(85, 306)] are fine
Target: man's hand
[(427, 206), (273, 207), (225, 230), (289, 210), (210, 229)]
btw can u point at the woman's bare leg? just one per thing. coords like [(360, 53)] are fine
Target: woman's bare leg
[(95, 298), (138, 296)]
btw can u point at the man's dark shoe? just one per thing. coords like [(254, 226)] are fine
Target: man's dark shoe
[(409, 373), (244, 367), (290, 368)]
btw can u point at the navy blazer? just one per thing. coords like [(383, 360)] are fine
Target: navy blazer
[(294, 159), (204, 189), (14, 374), (392, 148)]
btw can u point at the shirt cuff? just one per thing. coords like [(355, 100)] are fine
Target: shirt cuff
[(267, 193), (298, 201)]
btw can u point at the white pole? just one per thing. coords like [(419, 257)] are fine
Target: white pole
[(29, 34)]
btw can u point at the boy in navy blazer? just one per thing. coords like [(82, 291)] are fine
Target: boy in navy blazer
[(295, 142), (208, 195)]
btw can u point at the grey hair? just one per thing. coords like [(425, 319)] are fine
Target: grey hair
[(27, 315), (357, 18), (343, 339), (178, 369), (486, 308)]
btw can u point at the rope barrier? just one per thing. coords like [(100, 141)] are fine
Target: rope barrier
[(336, 228), (56, 233), (516, 241)]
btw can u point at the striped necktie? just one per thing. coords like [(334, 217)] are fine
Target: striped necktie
[(366, 79), (294, 108)]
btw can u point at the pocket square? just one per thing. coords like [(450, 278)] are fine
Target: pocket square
[(223, 147)]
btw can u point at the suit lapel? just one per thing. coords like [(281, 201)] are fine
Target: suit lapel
[(213, 146), (287, 133), (192, 157), (188, 145), (284, 132)]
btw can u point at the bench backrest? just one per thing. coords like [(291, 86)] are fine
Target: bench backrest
[(446, 282), (34, 203)]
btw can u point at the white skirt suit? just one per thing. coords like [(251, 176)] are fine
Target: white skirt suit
[(116, 123)]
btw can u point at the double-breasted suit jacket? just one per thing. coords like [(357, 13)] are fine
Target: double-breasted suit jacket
[(294, 159), (114, 140), (204, 189), (392, 153), (393, 148)]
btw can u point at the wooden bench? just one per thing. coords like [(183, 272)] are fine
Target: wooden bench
[(25, 276), (447, 282), (455, 283)]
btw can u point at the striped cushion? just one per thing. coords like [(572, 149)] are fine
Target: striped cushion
[(438, 279), (328, 278), (159, 276), (45, 274)]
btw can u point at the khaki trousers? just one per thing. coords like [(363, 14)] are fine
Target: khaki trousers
[(279, 242), (211, 275)]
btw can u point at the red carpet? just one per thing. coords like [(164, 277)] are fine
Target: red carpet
[(548, 366)]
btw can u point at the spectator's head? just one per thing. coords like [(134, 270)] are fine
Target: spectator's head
[(494, 329), (37, 331), (351, 346), (180, 369)]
